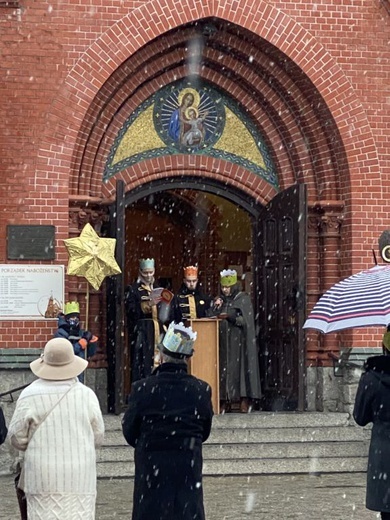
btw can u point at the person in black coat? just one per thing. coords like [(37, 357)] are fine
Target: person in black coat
[(190, 302), (3, 428), (372, 404), (168, 418)]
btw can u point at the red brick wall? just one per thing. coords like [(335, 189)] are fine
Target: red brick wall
[(56, 57)]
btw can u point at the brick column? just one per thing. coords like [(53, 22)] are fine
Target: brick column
[(323, 268)]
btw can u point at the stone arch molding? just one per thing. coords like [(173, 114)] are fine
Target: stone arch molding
[(133, 31)]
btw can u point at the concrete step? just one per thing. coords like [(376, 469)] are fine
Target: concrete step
[(253, 467), (260, 443), (254, 451), (261, 420), (268, 435)]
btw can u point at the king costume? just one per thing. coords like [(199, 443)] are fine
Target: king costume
[(168, 418), (144, 326), (190, 302), (238, 354)]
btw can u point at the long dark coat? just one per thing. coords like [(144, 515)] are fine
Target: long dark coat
[(372, 404), (168, 417), (186, 300), (3, 428), (238, 356), (144, 329)]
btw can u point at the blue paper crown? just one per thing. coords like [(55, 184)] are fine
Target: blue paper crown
[(146, 263), (179, 340)]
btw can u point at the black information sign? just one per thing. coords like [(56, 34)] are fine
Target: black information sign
[(30, 242)]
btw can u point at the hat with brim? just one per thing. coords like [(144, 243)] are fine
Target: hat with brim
[(58, 361)]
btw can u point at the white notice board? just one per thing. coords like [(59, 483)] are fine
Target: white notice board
[(31, 292)]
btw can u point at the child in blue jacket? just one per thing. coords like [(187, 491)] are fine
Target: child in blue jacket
[(84, 342)]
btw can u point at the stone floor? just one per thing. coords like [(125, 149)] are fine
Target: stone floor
[(286, 497)]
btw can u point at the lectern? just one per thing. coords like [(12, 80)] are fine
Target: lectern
[(204, 364)]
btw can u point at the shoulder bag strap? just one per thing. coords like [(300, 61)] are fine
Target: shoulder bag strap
[(20, 482), (51, 409)]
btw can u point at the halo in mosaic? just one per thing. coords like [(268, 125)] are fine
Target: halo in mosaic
[(191, 117)]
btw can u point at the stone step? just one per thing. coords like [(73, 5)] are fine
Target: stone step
[(254, 451), (260, 443), (261, 420), (268, 435), (254, 467)]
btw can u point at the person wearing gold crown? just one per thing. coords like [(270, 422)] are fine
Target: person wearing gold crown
[(238, 357), (190, 302), (169, 416), (144, 326), (69, 327), (372, 405)]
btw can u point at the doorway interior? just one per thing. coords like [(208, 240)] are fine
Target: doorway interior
[(183, 227), (188, 227)]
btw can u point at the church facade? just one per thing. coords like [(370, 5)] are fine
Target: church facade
[(246, 134)]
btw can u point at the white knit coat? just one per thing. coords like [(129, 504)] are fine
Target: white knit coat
[(60, 457)]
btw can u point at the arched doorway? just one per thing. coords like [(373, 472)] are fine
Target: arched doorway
[(191, 219)]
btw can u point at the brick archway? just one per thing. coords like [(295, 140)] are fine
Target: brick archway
[(349, 144), (199, 166), (129, 34)]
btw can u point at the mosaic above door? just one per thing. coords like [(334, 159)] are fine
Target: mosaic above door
[(191, 117)]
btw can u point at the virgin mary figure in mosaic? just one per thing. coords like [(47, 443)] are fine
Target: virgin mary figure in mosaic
[(189, 118)]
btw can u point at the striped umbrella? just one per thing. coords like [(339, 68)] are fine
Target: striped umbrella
[(361, 300)]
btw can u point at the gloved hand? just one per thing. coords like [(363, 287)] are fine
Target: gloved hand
[(87, 335), (83, 343), (240, 321)]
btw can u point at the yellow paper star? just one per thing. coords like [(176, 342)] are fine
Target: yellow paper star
[(91, 256)]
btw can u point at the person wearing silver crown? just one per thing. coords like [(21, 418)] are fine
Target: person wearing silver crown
[(190, 302), (144, 326), (169, 416), (238, 359)]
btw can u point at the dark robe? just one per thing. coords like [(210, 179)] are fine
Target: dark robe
[(238, 355), (189, 304), (144, 329), (372, 405), (168, 418)]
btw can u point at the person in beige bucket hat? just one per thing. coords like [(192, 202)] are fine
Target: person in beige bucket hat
[(58, 361), (58, 424)]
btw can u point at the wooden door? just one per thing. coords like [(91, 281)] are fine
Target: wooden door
[(280, 270), (117, 352)]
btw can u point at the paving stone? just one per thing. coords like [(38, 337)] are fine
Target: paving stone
[(276, 497)]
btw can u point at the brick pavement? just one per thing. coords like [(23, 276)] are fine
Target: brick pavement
[(284, 497)]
